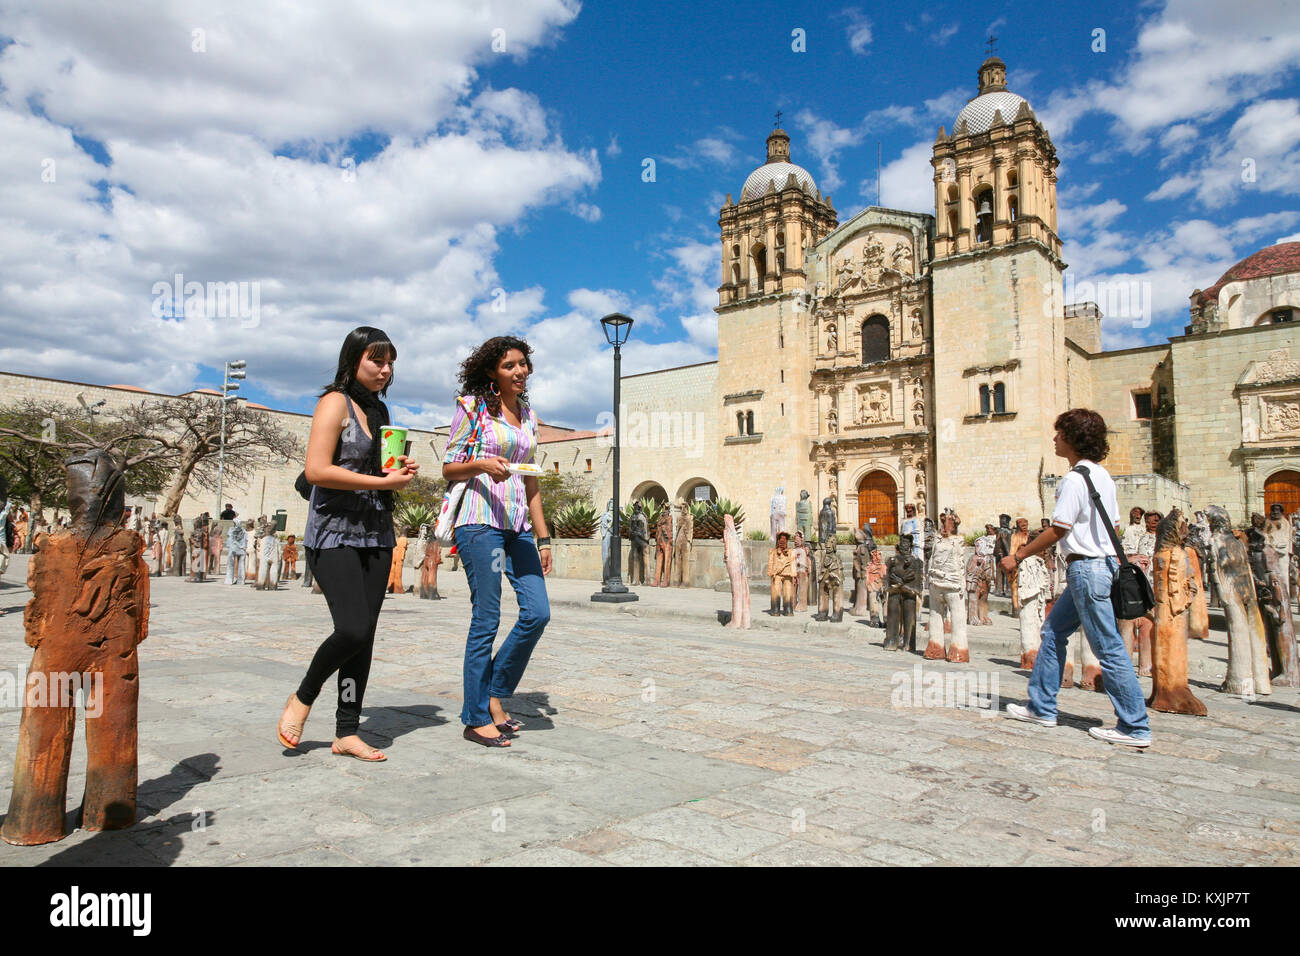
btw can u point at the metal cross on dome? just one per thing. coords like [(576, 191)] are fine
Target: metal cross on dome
[(778, 119), (993, 42)]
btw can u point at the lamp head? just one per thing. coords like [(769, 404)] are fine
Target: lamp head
[(617, 327)]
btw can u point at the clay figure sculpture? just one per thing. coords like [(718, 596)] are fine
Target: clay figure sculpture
[(866, 546), (429, 566), (237, 546), (395, 585), (776, 516), (830, 583), (1035, 591), (799, 548), (1274, 608), (268, 559), (1078, 649), (161, 547), (663, 547), (88, 612), (1001, 548), (1019, 538), (733, 556), (1198, 616), (156, 548), (1285, 668), (215, 540), (826, 522), (904, 576), (682, 538), (198, 549), (606, 543), (289, 557), (638, 533), (1248, 666), (803, 513), (180, 548), (979, 578), (947, 586), (255, 535), (1173, 591), (781, 575), (876, 573)]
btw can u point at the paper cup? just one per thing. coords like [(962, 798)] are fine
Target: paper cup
[(393, 444)]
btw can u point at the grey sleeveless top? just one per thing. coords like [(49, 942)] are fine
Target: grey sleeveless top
[(351, 519)]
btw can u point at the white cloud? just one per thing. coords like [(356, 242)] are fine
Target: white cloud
[(858, 31), (405, 240), (905, 183)]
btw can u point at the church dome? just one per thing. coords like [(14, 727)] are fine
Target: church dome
[(778, 173), (978, 113), (1273, 260)]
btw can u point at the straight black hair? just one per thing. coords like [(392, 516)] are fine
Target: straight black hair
[(361, 341)]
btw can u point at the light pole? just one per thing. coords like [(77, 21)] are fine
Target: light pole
[(228, 388), (613, 591)]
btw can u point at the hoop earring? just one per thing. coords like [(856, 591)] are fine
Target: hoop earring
[(492, 387)]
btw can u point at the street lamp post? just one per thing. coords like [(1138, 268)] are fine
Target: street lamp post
[(613, 591), (228, 388)]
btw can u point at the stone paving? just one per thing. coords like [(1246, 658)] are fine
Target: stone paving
[(656, 736)]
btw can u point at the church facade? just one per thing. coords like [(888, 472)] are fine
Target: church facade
[(920, 358)]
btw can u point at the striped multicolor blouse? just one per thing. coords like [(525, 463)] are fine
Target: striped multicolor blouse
[(501, 504)]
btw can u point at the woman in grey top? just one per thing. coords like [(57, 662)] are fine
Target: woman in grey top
[(349, 539)]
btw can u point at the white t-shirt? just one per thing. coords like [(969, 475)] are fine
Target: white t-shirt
[(1075, 512)]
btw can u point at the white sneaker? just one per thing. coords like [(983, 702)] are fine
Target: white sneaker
[(1115, 737), (1016, 712)]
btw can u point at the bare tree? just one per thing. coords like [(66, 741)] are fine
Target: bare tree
[(160, 442)]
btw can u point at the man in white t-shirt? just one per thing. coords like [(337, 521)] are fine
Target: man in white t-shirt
[(1086, 545)]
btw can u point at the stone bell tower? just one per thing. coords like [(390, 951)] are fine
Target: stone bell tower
[(999, 316)]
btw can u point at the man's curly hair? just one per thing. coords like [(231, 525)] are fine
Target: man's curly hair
[(476, 371), (1085, 431)]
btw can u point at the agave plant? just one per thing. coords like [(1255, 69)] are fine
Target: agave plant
[(649, 507), (413, 515), (578, 520), (708, 517)]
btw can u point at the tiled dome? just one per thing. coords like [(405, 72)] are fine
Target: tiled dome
[(778, 173), (978, 113)]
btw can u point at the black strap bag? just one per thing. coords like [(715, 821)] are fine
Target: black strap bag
[(1130, 592)]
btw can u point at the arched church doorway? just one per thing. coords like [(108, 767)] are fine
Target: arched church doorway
[(1282, 488), (878, 503)]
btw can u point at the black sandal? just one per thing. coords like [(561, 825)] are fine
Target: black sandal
[(499, 741), (510, 726)]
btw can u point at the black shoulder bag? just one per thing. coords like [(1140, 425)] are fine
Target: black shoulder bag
[(1130, 592)]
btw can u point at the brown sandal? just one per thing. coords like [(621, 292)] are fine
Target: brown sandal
[(500, 740), (369, 758), (283, 727)]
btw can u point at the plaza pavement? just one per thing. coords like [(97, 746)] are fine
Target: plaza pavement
[(655, 736)]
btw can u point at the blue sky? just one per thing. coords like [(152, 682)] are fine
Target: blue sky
[(398, 164)]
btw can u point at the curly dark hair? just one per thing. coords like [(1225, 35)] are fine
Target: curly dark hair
[(1085, 431), (476, 371)]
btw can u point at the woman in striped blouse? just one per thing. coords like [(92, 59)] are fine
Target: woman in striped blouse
[(492, 429)]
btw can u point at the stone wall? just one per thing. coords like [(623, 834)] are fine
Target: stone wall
[(1207, 416), (1116, 376), (1134, 491)]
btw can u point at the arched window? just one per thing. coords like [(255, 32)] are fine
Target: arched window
[(1013, 209), (984, 215), (740, 423), (749, 422), (759, 255), (952, 224), (780, 262), (735, 251), (875, 340), (1013, 179), (780, 239), (735, 273), (999, 399), (984, 400)]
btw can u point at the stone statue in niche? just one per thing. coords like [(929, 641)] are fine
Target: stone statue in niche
[(835, 486), (874, 405), (920, 486), (832, 338), (833, 421), (918, 414), (918, 327), (88, 612), (873, 256)]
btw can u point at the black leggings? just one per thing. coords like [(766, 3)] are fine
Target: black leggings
[(353, 580)]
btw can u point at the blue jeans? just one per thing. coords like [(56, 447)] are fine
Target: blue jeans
[(1086, 602), (486, 551)]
